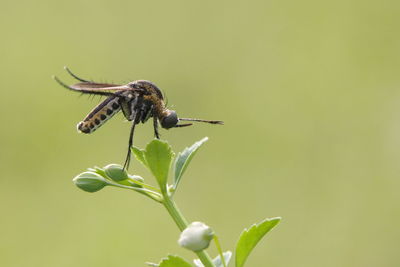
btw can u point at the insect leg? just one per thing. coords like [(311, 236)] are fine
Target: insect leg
[(155, 125), (73, 75), (87, 90), (128, 156), (147, 110)]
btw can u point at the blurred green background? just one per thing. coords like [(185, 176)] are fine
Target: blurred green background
[(308, 90)]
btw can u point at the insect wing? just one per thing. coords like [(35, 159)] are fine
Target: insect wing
[(94, 88), (93, 85)]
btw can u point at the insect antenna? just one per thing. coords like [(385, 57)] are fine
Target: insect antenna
[(73, 75), (200, 120), (61, 83)]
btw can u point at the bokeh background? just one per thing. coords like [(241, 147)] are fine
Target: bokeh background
[(309, 92)]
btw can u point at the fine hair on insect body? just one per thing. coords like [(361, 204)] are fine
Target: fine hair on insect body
[(138, 100)]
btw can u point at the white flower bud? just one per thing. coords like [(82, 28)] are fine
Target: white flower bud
[(196, 236)]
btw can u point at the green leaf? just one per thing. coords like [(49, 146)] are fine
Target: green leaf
[(90, 181), (183, 159), (217, 260), (158, 156), (171, 261), (250, 237), (139, 155)]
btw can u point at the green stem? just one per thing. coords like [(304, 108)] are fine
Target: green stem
[(175, 213), (153, 195), (152, 188), (182, 223)]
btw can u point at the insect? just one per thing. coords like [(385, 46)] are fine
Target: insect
[(139, 101)]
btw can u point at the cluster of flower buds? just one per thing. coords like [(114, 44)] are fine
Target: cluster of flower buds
[(96, 178)]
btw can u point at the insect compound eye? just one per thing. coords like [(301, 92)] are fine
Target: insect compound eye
[(170, 120)]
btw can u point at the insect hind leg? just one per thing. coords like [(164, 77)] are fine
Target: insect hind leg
[(76, 77), (130, 143)]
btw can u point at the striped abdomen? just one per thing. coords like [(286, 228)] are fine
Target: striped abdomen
[(99, 115)]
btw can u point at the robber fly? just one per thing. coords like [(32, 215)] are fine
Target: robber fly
[(139, 100)]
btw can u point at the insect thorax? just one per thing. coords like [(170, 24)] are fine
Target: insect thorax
[(148, 87)]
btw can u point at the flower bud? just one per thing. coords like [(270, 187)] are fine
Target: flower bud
[(196, 236), (135, 178), (116, 172), (90, 181)]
